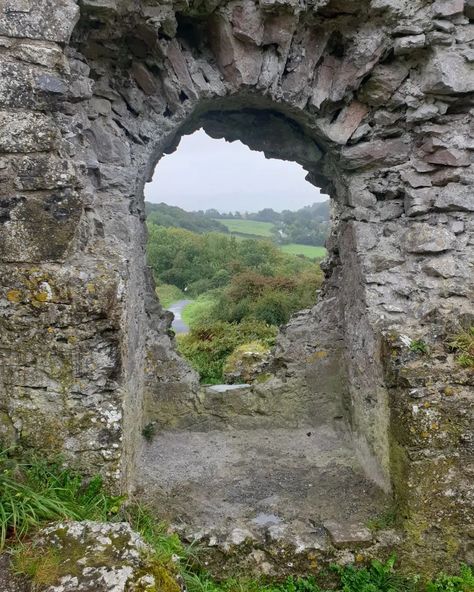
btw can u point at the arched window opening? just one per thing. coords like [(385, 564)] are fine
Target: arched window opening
[(235, 242)]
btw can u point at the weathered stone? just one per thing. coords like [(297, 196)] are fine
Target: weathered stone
[(443, 266), (107, 144), (45, 19), (455, 197), (247, 22), (98, 557), (384, 81), (348, 121), (423, 238), (423, 113), (27, 132), (449, 157), (446, 8), (385, 153), (348, 535), (85, 358), (415, 180), (144, 78), (405, 45), (419, 201), (447, 72)]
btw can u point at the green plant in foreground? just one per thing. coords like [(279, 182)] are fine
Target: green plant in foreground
[(378, 577), (149, 432), (462, 583), (463, 344), (419, 346), (383, 520), (34, 492)]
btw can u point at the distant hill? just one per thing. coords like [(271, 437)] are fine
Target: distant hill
[(173, 217), (306, 226)]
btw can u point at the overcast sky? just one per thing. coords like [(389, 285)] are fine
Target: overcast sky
[(204, 173)]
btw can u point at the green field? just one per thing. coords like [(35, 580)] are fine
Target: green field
[(306, 250), (252, 227), (255, 229)]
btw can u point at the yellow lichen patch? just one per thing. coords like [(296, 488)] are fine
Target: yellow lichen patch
[(448, 391), (318, 355), (41, 296), (90, 288), (14, 296)]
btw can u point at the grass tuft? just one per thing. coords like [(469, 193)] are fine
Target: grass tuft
[(34, 492), (463, 344)]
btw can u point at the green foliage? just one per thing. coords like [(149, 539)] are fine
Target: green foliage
[(173, 217), (383, 520), (165, 543), (269, 299), (201, 310), (378, 577), (306, 226), (208, 346), (463, 344), (167, 293), (201, 262), (419, 346), (462, 583), (234, 281), (149, 431), (35, 492)]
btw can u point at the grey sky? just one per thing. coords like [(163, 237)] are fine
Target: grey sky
[(206, 173)]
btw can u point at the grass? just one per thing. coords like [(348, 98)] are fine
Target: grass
[(463, 344), (255, 229), (251, 227), (33, 493), (309, 251), (168, 294), (199, 310)]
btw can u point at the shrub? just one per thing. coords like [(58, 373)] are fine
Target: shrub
[(207, 346)]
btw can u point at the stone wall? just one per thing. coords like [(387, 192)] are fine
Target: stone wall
[(373, 98)]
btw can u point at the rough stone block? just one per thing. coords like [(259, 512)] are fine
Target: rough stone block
[(405, 45), (444, 266), (36, 172), (449, 157), (455, 197), (51, 20), (26, 132), (247, 22), (447, 8), (347, 122), (384, 81), (419, 201), (447, 72), (378, 152), (348, 535), (422, 239)]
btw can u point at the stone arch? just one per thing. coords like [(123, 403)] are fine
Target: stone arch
[(377, 95)]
